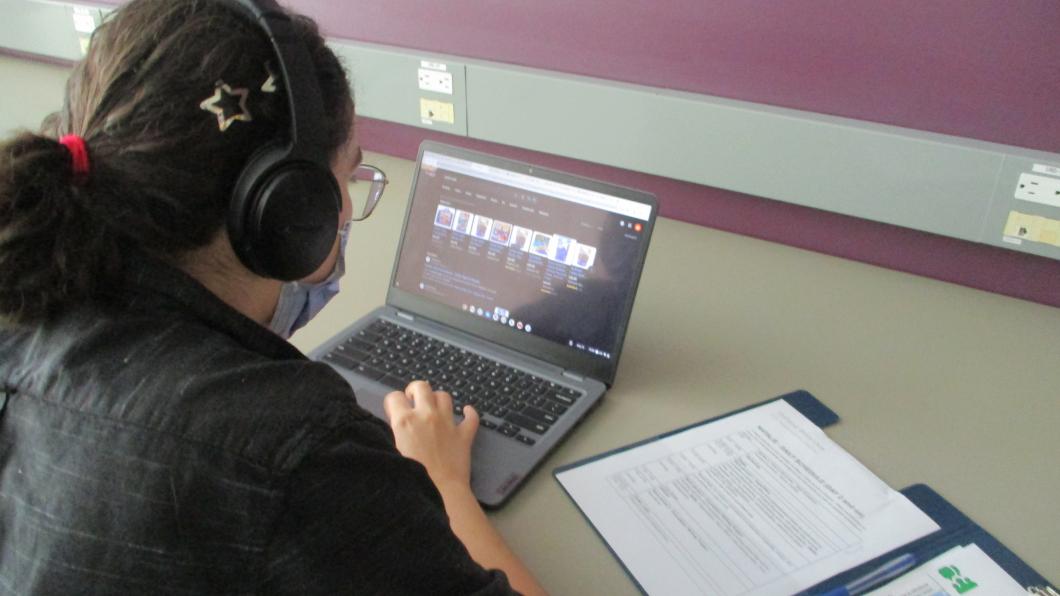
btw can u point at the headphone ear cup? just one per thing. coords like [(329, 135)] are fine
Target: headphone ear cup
[(284, 217), (297, 221)]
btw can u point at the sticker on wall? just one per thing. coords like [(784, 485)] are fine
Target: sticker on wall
[(1044, 169), (1032, 228), (432, 111)]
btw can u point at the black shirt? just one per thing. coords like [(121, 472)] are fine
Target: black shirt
[(166, 444)]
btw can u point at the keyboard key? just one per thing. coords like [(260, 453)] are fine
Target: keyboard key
[(393, 381), (563, 399), (360, 343), (525, 439), (508, 430), (527, 423), (487, 423), (568, 392), (366, 335), (368, 371), (540, 415), (555, 408), (342, 360)]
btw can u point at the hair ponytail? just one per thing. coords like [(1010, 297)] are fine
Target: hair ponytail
[(162, 170), (53, 251)]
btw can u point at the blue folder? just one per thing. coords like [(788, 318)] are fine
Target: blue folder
[(955, 528)]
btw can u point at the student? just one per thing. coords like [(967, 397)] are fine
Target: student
[(157, 433)]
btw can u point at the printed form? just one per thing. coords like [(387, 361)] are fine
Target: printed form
[(757, 503)]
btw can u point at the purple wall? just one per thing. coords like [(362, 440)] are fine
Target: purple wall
[(983, 69)]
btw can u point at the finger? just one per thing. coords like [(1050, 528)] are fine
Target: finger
[(422, 394), (469, 426), (394, 403), (445, 403)]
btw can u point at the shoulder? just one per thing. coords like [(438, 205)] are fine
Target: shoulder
[(176, 377), (271, 409)]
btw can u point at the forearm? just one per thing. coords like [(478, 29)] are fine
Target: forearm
[(487, 547)]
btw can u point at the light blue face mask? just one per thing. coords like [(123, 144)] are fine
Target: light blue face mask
[(299, 302)]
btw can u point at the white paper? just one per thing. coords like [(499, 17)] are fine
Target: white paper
[(960, 571), (758, 503)]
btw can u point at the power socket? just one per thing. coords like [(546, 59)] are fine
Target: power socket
[(437, 81), (1038, 189)]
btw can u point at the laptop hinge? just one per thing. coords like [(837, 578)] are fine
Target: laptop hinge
[(406, 316), (574, 376)]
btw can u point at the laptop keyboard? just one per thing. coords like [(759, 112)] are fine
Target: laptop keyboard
[(511, 402)]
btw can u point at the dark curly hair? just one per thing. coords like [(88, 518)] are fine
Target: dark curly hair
[(161, 170)]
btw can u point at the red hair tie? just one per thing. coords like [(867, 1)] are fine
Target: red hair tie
[(78, 157)]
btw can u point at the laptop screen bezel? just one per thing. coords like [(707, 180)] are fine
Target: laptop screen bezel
[(570, 359)]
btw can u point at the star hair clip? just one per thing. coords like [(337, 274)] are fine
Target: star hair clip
[(228, 104)]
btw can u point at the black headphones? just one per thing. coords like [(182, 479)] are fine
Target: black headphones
[(284, 212)]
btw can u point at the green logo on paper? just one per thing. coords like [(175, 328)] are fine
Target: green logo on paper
[(960, 583)]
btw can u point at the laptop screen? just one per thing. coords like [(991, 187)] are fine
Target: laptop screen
[(531, 251)]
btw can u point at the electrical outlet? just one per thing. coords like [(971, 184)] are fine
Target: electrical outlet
[(435, 80), (1038, 189), (86, 20)]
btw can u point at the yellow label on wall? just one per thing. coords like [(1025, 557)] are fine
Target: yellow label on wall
[(432, 111), (1033, 228)]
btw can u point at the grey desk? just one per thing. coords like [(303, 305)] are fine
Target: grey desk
[(934, 383)]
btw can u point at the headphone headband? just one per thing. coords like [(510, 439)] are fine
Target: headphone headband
[(284, 212), (304, 103)]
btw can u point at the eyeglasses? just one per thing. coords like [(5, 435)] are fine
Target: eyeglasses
[(366, 196)]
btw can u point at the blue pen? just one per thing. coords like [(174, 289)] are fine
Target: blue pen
[(886, 572)]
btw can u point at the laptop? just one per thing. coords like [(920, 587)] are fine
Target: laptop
[(512, 290)]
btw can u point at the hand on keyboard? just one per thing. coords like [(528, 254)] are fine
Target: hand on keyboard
[(424, 430), (514, 403)]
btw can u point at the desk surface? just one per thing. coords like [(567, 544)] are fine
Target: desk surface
[(934, 383)]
